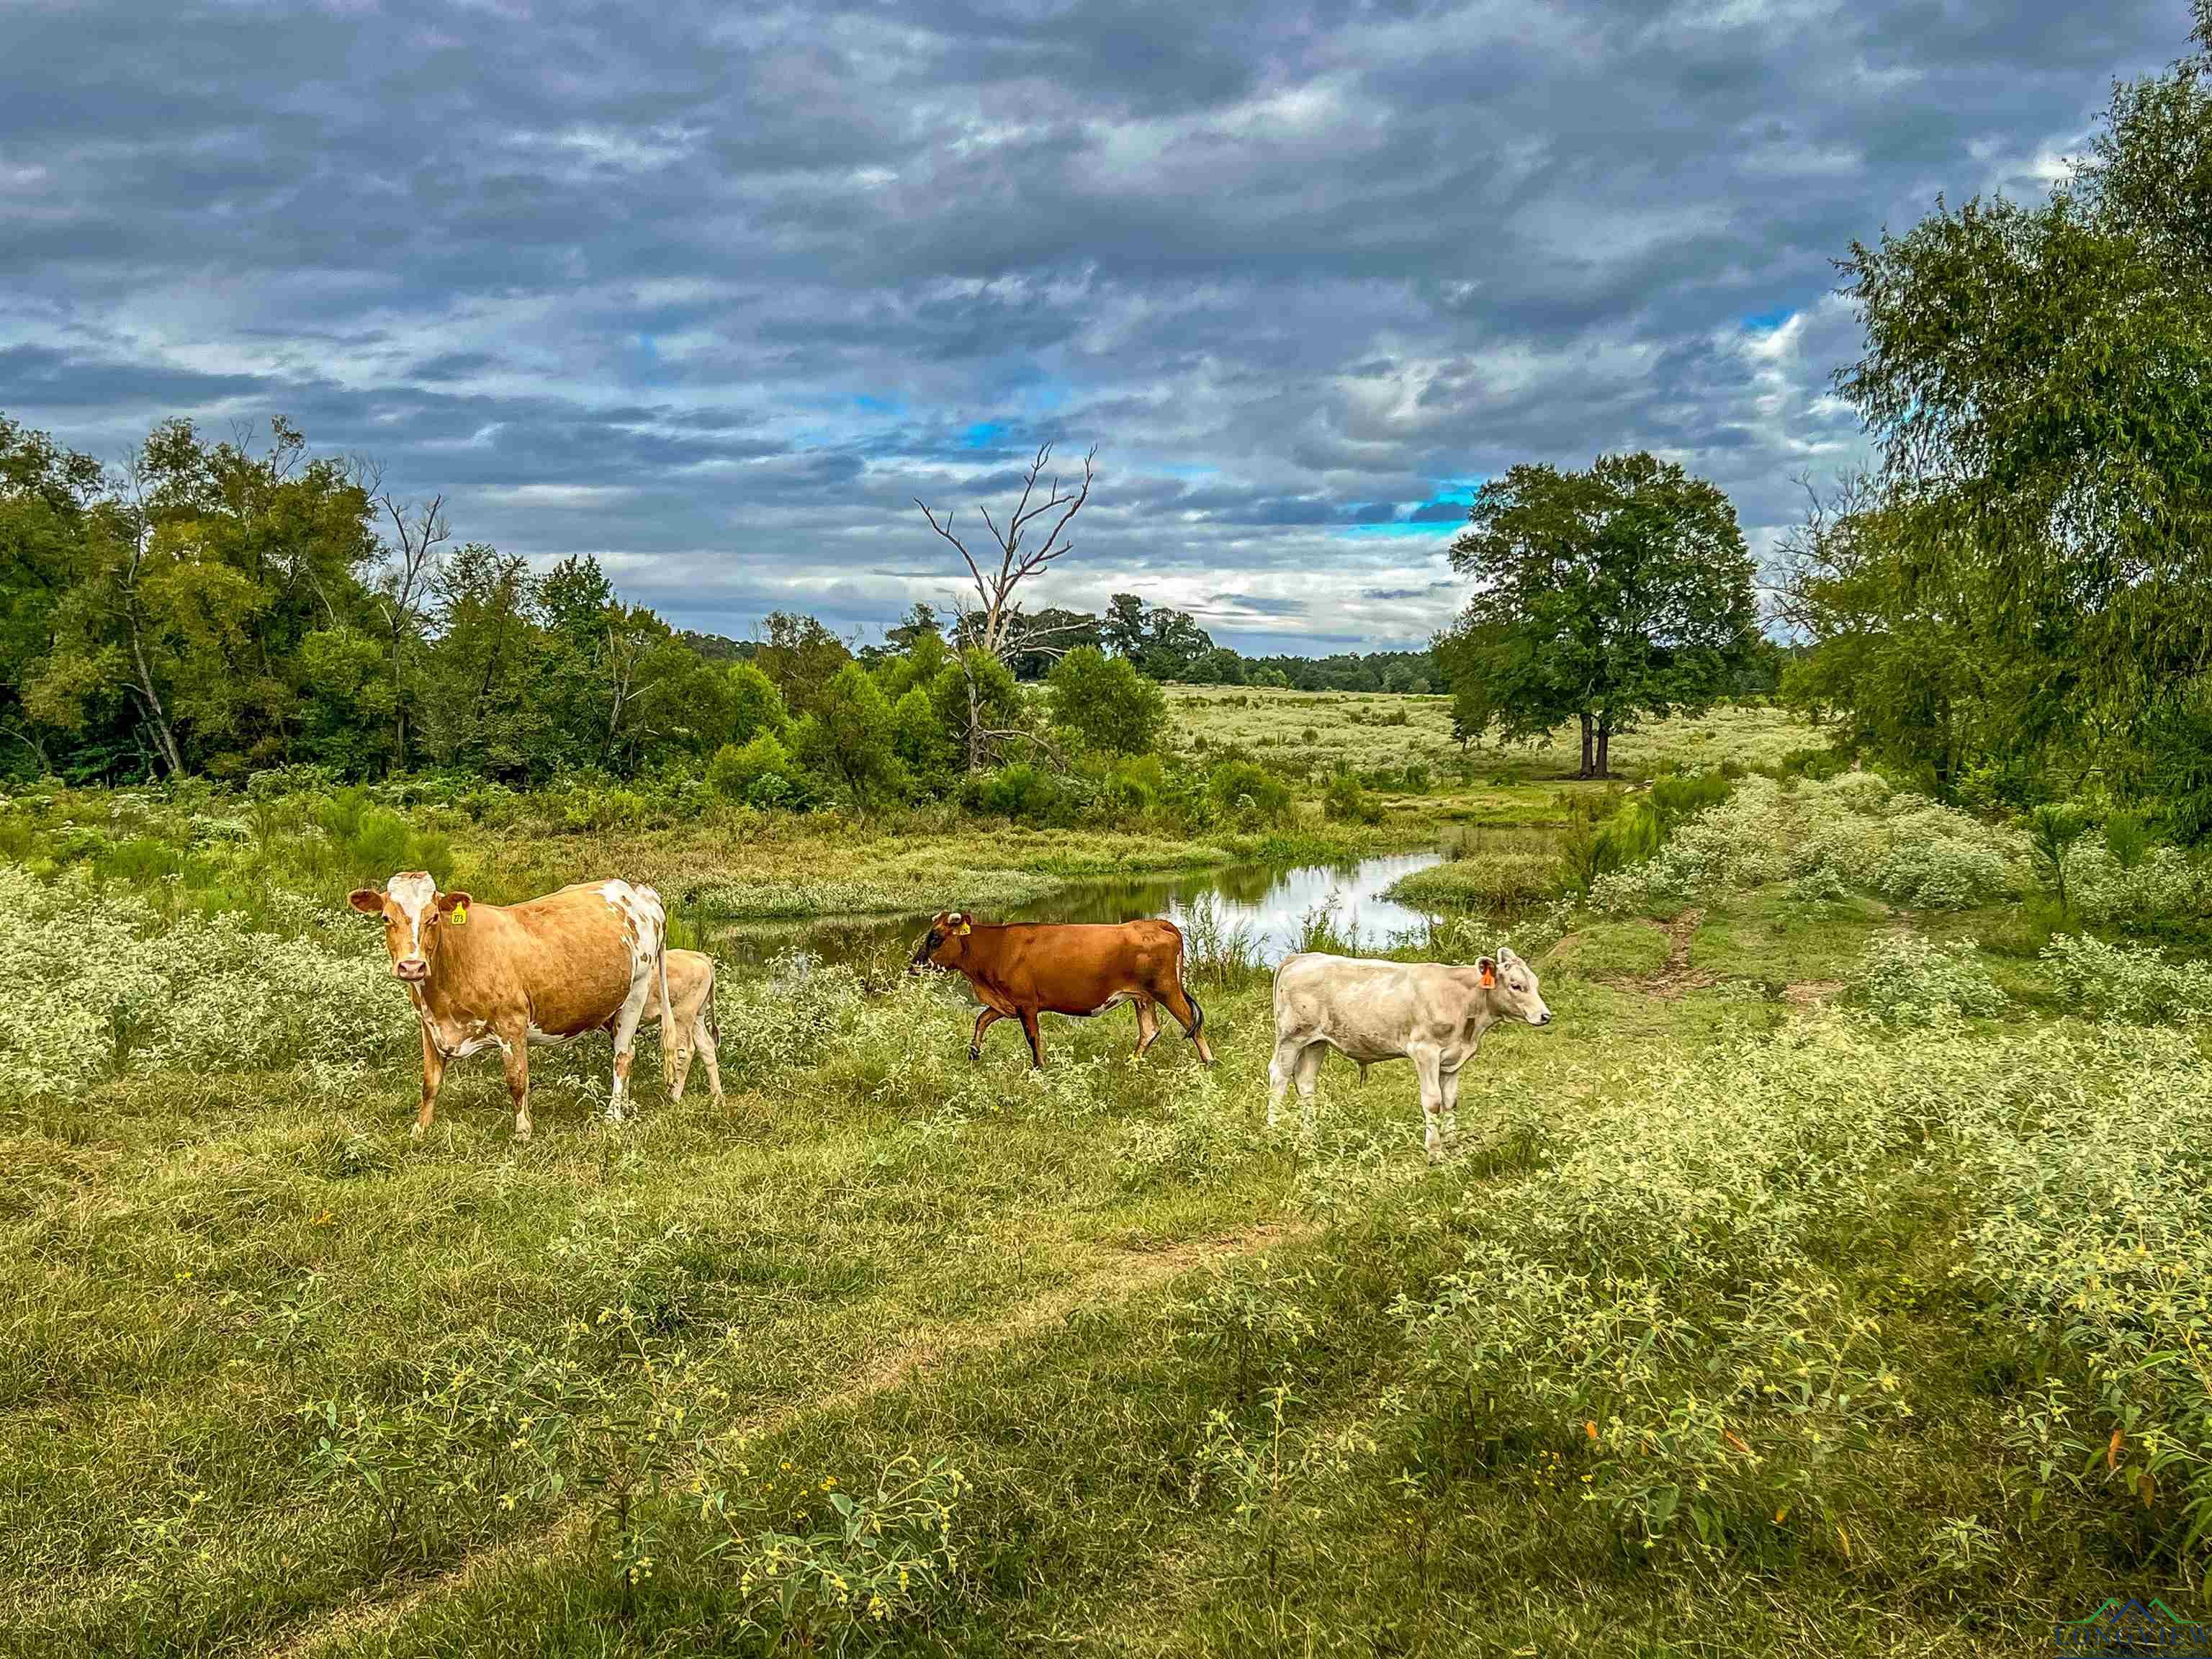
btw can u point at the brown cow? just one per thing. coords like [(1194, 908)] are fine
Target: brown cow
[(551, 969), (691, 988), (1029, 969)]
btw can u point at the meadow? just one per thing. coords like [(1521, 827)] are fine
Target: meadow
[(1827, 1277)]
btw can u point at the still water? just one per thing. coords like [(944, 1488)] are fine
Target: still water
[(1270, 905)]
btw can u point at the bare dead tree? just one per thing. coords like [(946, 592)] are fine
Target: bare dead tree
[(984, 742), (419, 534), (996, 611), (1034, 537)]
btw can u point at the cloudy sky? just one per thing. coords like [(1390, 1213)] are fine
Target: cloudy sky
[(712, 292)]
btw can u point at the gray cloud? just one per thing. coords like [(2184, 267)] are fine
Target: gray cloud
[(713, 293)]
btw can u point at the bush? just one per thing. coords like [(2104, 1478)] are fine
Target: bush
[(1024, 793), (1906, 980), (1107, 702), (2136, 986), (2162, 884), (1246, 795), (1344, 800), (97, 989), (738, 772), (1818, 764), (1679, 796)]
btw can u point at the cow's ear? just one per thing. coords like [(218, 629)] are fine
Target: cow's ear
[(367, 900), (1488, 970), (449, 902)]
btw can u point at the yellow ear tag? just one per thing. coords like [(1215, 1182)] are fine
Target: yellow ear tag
[(461, 914), (966, 928)]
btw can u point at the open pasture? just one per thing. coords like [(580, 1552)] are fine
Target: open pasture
[(1817, 1280)]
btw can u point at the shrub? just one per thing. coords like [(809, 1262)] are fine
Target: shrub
[(1343, 799), (737, 769), (1677, 796), (2128, 839), (1906, 980), (2161, 884), (1024, 793), (1107, 702), (2052, 830), (2133, 984), (1246, 795), (96, 990)]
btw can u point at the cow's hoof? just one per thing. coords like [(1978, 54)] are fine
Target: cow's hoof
[(974, 1052), (414, 1131)]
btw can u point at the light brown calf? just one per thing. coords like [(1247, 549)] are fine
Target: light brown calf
[(691, 988), (551, 969)]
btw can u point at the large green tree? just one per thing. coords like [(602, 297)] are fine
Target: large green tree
[(2029, 582), (1107, 702), (1607, 597)]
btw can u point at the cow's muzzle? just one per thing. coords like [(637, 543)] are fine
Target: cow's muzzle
[(413, 969)]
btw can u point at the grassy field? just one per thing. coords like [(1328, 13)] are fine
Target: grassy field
[(1827, 1278)]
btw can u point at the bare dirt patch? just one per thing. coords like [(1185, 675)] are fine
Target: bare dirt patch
[(1674, 977)]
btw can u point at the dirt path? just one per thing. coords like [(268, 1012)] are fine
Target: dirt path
[(1119, 1274)]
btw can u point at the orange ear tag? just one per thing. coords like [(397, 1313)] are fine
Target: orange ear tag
[(1488, 977)]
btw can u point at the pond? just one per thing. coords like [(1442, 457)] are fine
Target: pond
[(1270, 905)]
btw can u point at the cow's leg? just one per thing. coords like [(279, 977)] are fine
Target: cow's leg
[(1426, 1067), (1309, 1075), (626, 1021), (1192, 1018), (984, 1022), (1035, 1036), (1449, 1081), (514, 1050), (702, 1039), (433, 1077), (1148, 1025), (622, 1058), (1280, 1070), (679, 1063)]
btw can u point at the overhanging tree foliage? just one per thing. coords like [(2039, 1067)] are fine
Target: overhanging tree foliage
[(2039, 537), (1605, 597)]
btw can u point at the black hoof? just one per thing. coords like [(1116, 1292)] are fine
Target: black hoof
[(974, 1052)]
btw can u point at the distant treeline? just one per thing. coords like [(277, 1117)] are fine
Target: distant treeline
[(1162, 645), (221, 608)]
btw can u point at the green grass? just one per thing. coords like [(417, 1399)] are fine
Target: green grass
[(1740, 1325)]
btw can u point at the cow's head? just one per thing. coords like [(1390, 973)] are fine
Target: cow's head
[(1511, 983), (941, 946), (416, 914)]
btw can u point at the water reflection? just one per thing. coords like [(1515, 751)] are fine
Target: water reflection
[(1270, 905)]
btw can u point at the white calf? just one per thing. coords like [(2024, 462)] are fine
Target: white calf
[(1428, 1013)]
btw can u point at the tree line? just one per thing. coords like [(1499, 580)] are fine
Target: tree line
[(219, 607)]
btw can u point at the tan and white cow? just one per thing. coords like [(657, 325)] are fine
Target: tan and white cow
[(551, 969), (691, 988), (1432, 1014)]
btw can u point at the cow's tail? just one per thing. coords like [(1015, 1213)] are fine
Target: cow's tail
[(714, 984), (667, 1008)]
